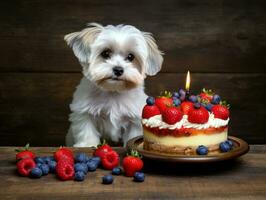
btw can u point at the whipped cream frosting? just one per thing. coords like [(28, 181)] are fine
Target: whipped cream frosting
[(156, 121)]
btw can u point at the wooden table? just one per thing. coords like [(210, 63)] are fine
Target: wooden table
[(244, 178)]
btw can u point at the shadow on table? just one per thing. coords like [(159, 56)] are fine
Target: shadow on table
[(191, 169)]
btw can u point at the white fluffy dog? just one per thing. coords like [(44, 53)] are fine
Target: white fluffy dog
[(109, 99)]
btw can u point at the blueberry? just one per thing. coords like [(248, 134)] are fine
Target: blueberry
[(47, 159), (182, 97), (216, 99), (224, 147), (116, 171), (88, 158), (45, 169), (36, 172), (176, 102), (139, 177), (80, 158), (81, 167), (150, 101), (174, 98), (52, 166), (193, 98), (208, 107), (182, 92), (39, 164), (91, 165), (97, 160), (107, 179), (176, 94), (202, 150), (52, 158), (197, 105), (39, 160), (79, 176), (230, 143)]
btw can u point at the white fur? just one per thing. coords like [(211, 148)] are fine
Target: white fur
[(104, 105)]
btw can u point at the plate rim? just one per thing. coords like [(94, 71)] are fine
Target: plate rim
[(235, 153)]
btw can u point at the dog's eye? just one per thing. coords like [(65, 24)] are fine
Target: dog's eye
[(130, 57), (106, 53)]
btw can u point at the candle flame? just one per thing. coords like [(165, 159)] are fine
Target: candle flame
[(188, 81)]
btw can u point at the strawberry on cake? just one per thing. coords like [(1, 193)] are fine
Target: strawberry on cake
[(178, 123)]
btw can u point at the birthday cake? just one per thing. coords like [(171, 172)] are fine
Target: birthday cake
[(182, 123)]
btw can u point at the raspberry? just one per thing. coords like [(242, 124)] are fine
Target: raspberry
[(25, 165), (65, 170), (110, 160)]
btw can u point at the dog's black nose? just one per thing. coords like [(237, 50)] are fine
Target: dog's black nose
[(118, 71)]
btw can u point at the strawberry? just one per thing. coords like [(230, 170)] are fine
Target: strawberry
[(186, 106), (132, 163), (206, 95), (102, 149), (64, 153), (198, 115), (172, 115), (220, 111), (25, 165), (150, 111), (24, 153), (163, 102), (110, 160), (65, 170)]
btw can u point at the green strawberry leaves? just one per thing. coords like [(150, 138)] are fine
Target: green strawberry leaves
[(26, 148), (134, 153), (103, 142), (224, 103), (208, 91), (166, 94)]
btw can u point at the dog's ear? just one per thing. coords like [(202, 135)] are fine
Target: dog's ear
[(80, 41), (155, 59)]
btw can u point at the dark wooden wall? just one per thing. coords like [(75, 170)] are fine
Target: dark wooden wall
[(223, 44)]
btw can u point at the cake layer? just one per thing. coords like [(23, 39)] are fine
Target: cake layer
[(186, 141), (184, 131), (150, 146)]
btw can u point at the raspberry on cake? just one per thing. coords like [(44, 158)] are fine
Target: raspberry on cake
[(185, 125)]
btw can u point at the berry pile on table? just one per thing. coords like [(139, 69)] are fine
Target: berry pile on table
[(69, 166)]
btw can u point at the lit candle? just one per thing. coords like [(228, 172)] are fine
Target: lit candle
[(187, 83)]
